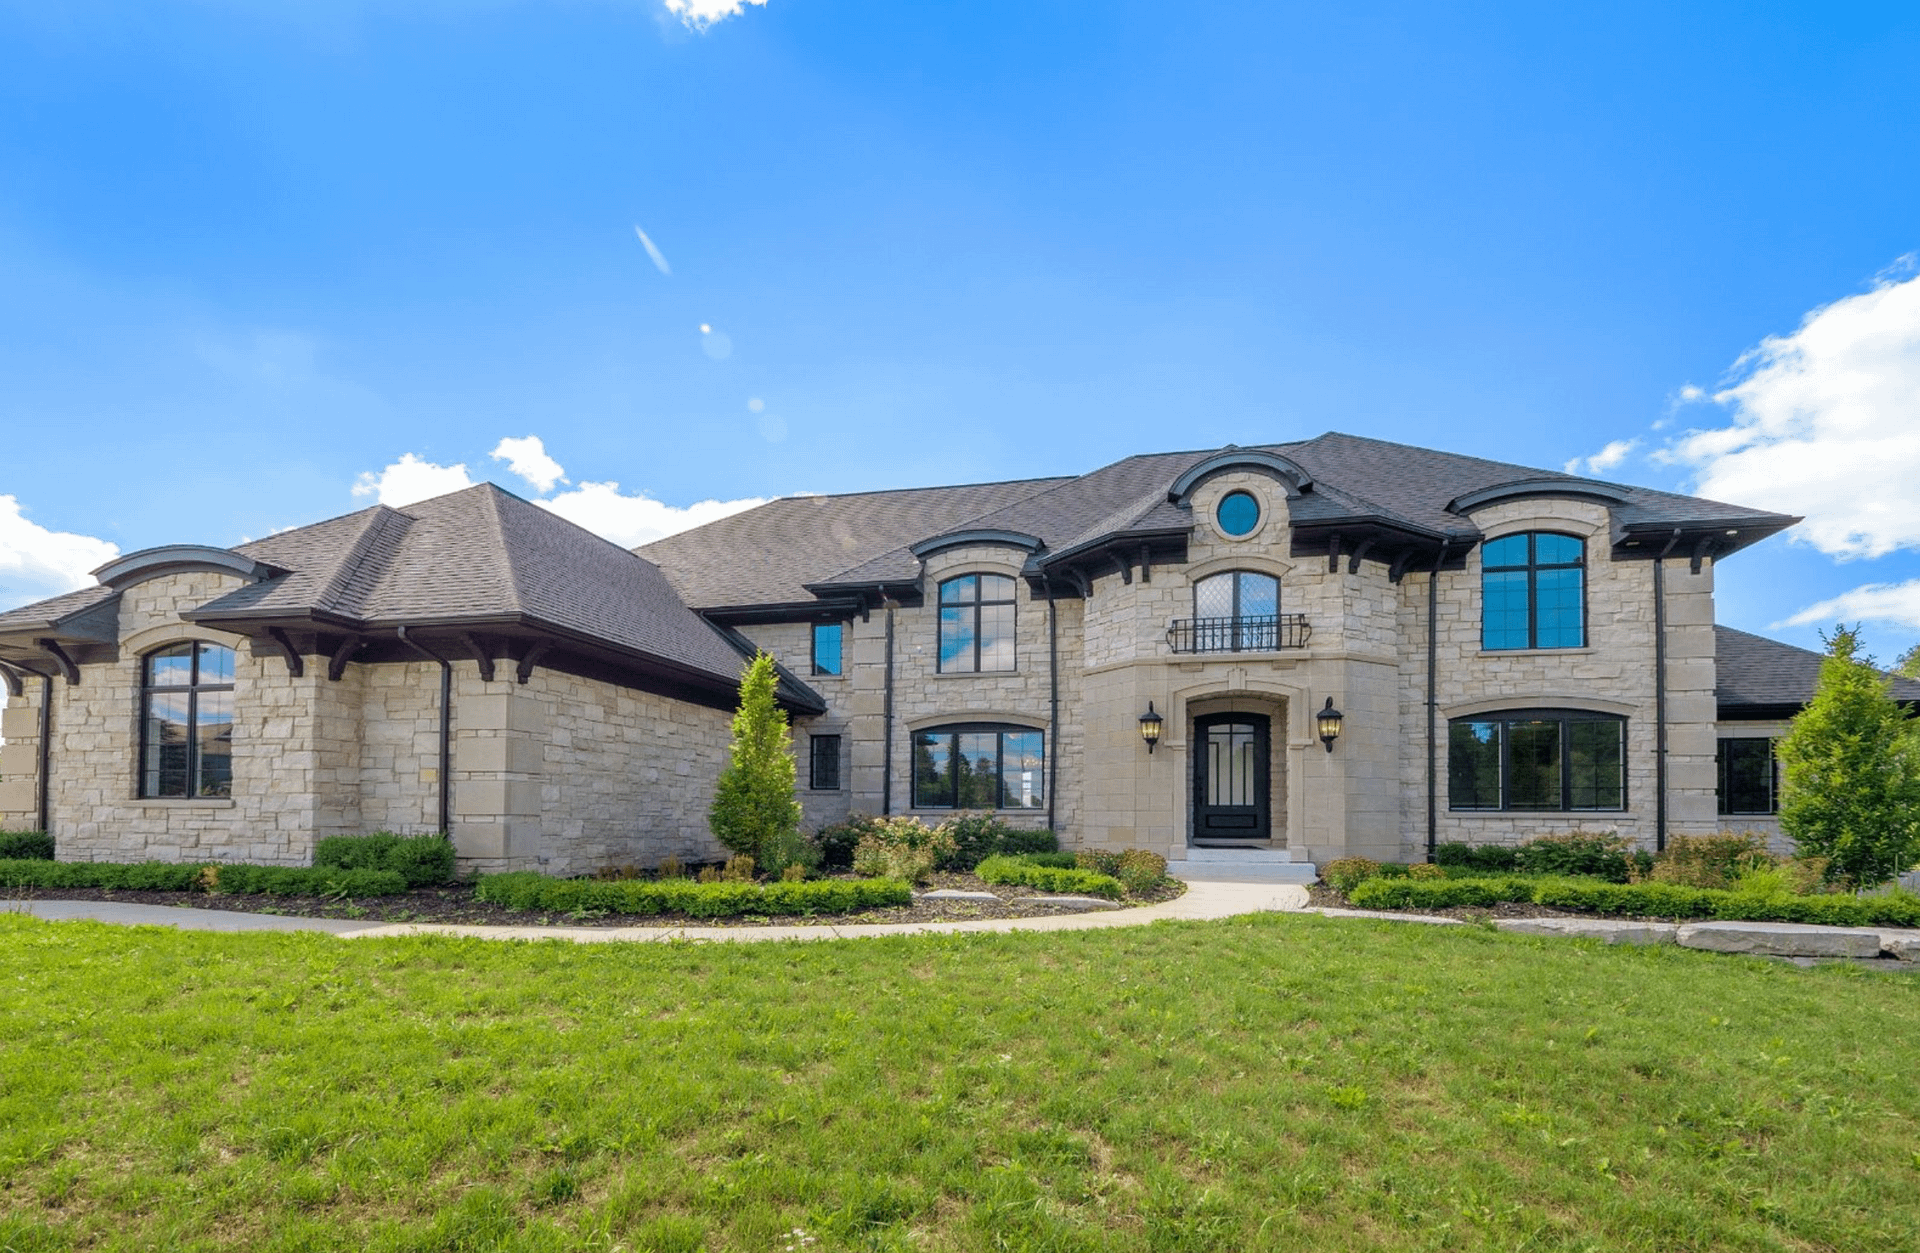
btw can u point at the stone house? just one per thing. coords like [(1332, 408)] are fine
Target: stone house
[(1272, 655)]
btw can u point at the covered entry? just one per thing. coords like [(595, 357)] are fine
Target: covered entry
[(1232, 783)]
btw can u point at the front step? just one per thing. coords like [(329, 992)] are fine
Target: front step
[(1243, 865)]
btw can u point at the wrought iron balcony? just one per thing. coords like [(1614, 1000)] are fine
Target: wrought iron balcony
[(1239, 635)]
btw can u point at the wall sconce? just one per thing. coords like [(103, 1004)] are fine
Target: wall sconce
[(1329, 719), (1150, 723)]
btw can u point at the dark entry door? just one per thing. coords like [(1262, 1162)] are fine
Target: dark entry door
[(1230, 765)]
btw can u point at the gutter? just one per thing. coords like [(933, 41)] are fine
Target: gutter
[(446, 727)]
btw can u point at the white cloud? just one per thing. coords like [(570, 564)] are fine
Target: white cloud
[(659, 261), (528, 458), (410, 480), (1826, 423), (36, 563), (1604, 460), (630, 521), (701, 14), (1875, 602)]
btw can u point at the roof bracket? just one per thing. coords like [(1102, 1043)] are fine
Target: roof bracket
[(532, 659), (15, 686), (1701, 549), (1126, 567), (1353, 562), (52, 649), (1399, 567), (295, 666), (337, 664), (1146, 564), (481, 655), (1078, 580), (1333, 553)]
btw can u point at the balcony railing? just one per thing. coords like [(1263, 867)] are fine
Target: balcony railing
[(1239, 635)]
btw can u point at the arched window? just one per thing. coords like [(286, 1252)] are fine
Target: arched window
[(979, 766), (1533, 591), (1238, 611), (976, 623), (1537, 759), (186, 721)]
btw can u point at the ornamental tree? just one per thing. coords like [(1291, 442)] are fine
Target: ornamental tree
[(754, 810), (1851, 771)]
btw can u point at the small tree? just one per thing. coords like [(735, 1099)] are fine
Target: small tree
[(754, 810), (1908, 666), (1851, 761)]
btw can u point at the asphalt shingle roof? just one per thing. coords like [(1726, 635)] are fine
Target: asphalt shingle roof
[(54, 608), (1752, 670)]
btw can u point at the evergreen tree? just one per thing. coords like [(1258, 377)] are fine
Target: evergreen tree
[(754, 809), (1908, 667), (1851, 766)]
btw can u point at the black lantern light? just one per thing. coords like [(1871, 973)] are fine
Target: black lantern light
[(1329, 719), (1150, 727)]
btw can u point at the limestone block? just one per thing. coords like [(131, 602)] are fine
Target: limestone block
[(19, 760), (1608, 931), (1780, 939), (513, 754), (19, 722), (17, 797)]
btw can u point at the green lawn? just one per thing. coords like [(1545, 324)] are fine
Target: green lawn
[(1275, 1082)]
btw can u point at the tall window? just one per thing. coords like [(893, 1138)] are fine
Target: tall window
[(826, 648), (979, 766), (1533, 591), (1236, 611), (1749, 776), (823, 763), (186, 721), (1537, 759), (976, 623)]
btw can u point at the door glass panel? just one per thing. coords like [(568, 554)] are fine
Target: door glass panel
[(1231, 764), (1213, 597)]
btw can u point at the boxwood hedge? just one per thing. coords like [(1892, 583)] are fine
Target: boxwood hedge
[(161, 876), (1027, 873), (526, 889), (1641, 900)]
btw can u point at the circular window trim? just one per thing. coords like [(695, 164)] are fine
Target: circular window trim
[(1259, 514)]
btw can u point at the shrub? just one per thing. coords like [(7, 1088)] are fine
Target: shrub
[(157, 876), (794, 873), (1023, 841), (1422, 871), (976, 837), (1606, 857), (671, 867), (1059, 861), (739, 869), (421, 860), (528, 890), (1141, 872), (1048, 878), (754, 810), (900, 848), (25, 846), (1709, 861), (1344, 874), (1488, 857), (837, 842), (1410, 893), (1098, 860)]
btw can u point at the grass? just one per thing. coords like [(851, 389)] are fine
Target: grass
[(1273, 1082)]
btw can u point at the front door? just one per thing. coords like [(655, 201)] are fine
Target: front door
[(1230, 782)]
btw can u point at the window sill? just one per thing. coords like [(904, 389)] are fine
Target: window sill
[(972, 674), (1537, 652), (1573, 814), (184, 802)]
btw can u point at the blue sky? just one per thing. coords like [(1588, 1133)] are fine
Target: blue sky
[(253, 256)]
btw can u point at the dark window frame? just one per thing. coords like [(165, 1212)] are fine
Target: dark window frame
[(1247, 632), (953, 731), (146, 789), (823, 750), (840, 657), (1566, 719), (1533, 566), (1723, 788), (977, 604)]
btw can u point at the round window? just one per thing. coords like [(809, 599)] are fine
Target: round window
[(1238, 513)]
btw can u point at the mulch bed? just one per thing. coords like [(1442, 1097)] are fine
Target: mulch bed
[(457, 904)]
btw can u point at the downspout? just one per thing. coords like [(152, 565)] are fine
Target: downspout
[(45, 753), (1433, 698), (446, 728), (1053, 714), (886, 753), (1660, 695)]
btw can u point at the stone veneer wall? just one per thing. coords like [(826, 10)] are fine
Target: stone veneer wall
[(1767, 825), (791, 644)]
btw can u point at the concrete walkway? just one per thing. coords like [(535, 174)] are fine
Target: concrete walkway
[(1204, 899)]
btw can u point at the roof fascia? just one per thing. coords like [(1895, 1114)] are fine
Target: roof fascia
[(1518, 489), (991, 536), (150, 563), (1285, 469)]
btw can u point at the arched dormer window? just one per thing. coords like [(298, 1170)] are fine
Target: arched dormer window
[(1236, 611), (1533, 591), (186, 721), (976, 624)]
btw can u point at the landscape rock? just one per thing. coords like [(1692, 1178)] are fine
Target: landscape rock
[(1780, 939), (1901, 945), (956, 894), (1069, 902), (1608, 930)]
